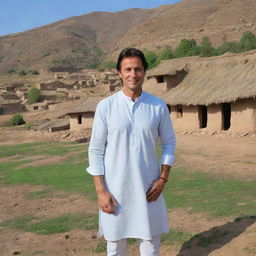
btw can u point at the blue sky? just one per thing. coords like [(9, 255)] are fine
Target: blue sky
[(21, 15)]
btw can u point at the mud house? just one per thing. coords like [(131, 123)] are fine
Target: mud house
[(10, 106), (82, 114), (54, 85), (217, 93)]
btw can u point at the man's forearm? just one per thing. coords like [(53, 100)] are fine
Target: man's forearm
[(99, 182), (106, 201), (165, 170)]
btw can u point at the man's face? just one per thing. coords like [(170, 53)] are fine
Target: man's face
[(132, 73)]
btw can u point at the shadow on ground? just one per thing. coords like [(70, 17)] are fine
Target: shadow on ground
[(206, 242)]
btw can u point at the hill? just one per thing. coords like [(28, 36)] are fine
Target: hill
[(77, 42), (86, 40)]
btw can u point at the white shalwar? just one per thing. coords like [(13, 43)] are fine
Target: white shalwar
[(123, 149)]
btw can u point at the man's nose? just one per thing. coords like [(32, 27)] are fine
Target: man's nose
[(133, 72)]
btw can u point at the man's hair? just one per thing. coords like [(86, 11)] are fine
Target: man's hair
[(131, 52)]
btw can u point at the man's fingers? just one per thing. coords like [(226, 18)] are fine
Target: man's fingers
[(114, 201), (153, 194), (108, 208)]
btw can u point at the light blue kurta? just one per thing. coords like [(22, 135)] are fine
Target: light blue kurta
[(123, 148)]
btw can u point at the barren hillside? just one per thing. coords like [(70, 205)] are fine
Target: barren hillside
[(84, 41)]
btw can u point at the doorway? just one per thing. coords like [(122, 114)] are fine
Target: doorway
[(226, 115), (202, 116)]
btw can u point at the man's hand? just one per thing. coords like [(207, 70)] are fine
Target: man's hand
[(106, 202), (155, 190)]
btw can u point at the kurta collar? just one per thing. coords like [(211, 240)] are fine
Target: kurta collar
[(140, 98)]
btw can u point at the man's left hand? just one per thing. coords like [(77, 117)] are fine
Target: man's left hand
[(155, 190)]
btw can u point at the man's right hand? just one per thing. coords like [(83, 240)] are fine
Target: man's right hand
[(107, 202)]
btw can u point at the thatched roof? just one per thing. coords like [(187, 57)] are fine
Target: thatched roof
[(209, 80), (85, 105)]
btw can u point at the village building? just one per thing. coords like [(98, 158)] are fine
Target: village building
[(82, 114), (214, 94), (10, 106), (54, 85)]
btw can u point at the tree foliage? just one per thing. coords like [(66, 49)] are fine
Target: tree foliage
[(17, 119), (105, 65), (228, 47), (186, 48), (166, 54), (189, 47), (206, 48), (248, 41), (33, 95), (151, 58)]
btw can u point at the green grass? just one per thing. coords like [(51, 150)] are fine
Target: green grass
[(60, 224), (42, 148), (175, 236), (67, 177), (197, 191), (204, 193), (19, 149), (101, 247)]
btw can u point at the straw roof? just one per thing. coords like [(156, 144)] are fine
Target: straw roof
[(209, 80), (84, 105)]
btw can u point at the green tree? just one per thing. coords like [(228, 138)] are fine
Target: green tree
[(107, 64), (186, 48), (33, 95), (229, 47), (248, 41), (166, 53), (151, 58), (206, 48), (17, 119)]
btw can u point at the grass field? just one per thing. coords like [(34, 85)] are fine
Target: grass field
[(193, 190)]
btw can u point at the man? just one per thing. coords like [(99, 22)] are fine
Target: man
[(123, 161)]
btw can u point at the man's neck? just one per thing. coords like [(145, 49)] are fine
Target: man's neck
[(132, 94)]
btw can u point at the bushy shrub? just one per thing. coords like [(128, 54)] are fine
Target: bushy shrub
[(32, 71), (166, 54), (152, 59), (22, 73), (229, 47), (107, 64), (186, 48), (11, 71), (33, 95), (248, 41), (206, 48), (17, 119)]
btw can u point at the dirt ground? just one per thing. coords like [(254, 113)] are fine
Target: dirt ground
[(220, 155)]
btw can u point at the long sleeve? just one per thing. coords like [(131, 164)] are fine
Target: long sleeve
[(97, 145), (167, 138)]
